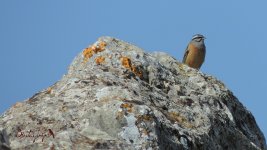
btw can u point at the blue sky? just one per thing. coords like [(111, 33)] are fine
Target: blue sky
[(39, 39)]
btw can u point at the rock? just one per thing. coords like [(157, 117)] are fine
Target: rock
[(116, 96)]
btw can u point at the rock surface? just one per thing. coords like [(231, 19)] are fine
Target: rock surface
[(116, 96)]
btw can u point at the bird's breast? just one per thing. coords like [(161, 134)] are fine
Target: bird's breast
[(195, 56)]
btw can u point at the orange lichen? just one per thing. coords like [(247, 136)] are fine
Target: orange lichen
[(126, 62), (90, 51), (144, 118), (127, 106), (137, 72), (101, 46), (177, 117), (99, 60), (48, 91), (125, 109), (87, 53)]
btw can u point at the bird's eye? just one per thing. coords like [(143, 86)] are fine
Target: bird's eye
[(198, 39)]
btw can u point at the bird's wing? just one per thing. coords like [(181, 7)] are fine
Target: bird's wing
[(185, 54)]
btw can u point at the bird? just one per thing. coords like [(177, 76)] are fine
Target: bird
[(195, 52)]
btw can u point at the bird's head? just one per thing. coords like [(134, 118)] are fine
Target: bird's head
[(198, 38)]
